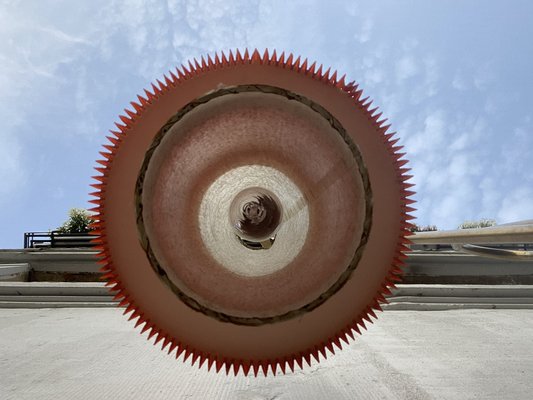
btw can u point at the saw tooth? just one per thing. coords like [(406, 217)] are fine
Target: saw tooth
[(168, 82), (264, 367), (149, 96), (341, 83), (303, 67), (311, 70), (192, 70), (296, 64), (383, 129), (307, 358), (204, 64), (371, 312), (282, 366), (246, 56), (111, 149), (299, 361), (273, 366), (186, 73), (350, 87), (179, 350), (342, 337), (173, 78), (113, 140), (281, 60), (361, 322), (181, 74), (371, 112), (397, 156), (124, 302), (105, 163), (203, 358), (329, 346), (166, 342), (140, 321), (107, 156), (118, 134), (173, 346), (218, 364), (391, 142), (325, 76), (153, 331), (246, 368), (365, 102), (401, 163), (236, 367), (121, 128), (273, 58), (288, 63), (127, 121), (128, 309), (187, 354), (228, 366), (210, 63), (322, 350), (337, 343), (315, 355), (100, 178), (131, 114), (256, 58), (159, 337), (255, 368), (382, 123), (333, 78), (210, 362), (135, 314), (348, 331), (218, 61), (290, 363), (158, 89), (144, 102), (318, 73), (231, 58), (375, 117), (197, 67), (266, 58), (98, 186), (238, 57)]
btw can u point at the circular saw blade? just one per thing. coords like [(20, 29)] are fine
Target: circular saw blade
[(252, 212)]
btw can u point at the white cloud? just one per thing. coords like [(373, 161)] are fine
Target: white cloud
[(406, 68), (13, 175), (517, 205)]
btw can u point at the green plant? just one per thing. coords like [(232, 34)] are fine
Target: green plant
[(78, 222), (421, 228), (482, 223)]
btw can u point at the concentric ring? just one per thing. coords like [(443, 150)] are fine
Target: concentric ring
[(182, 277), (285, 344)]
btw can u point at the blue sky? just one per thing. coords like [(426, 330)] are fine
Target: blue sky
[(455, 78)]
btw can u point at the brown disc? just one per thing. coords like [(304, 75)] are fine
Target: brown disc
[(252, 212)]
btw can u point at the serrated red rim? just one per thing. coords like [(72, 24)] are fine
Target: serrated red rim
[(113, 280)]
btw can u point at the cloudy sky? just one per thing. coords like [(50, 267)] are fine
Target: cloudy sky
[(455, 78)]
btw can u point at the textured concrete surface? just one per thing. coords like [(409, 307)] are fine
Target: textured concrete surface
[(96, 354)]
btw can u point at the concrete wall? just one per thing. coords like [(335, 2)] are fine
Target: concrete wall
[(423, 267), (55, 265)]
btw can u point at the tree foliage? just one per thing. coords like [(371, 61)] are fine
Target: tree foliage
[(482, 223), (77, 222), (422, 228)]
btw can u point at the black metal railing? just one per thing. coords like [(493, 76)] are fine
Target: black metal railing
[(56, 239)]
